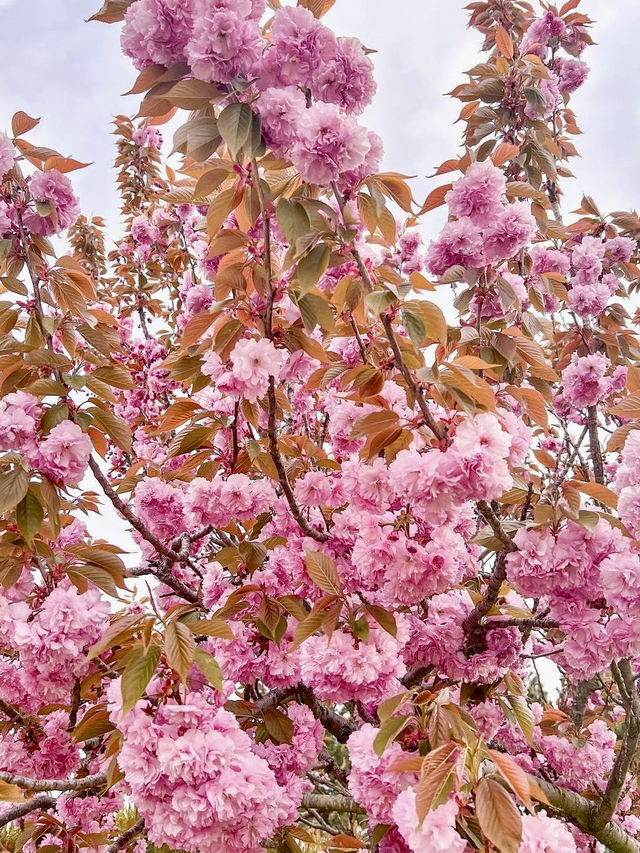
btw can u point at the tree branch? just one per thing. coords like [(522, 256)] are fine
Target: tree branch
[(627, 753), (334, 723), (331, 803), (85, 783), (41, 802), (408, 378), (274, 452), (169, 555), (580, 810), (594, 444)]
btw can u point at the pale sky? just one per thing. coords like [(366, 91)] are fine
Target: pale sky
[(71, 74)]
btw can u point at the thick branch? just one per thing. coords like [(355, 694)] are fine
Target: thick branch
[(127, 512), (85, 783), (41, 802), (494, 523), (13, 713), (334, 723), (627, 753), (331, 803), (498, 575), (528, 624), (580, 810), (169, 555), (594, 444)]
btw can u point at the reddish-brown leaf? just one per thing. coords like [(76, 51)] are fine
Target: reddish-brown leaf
[(435, 199)]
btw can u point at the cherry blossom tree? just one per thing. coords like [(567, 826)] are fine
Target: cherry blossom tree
[(364, 519)]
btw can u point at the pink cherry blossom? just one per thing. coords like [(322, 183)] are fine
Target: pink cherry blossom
[(478, 195), (329, 144), (64, 454), (157, 31), (7, 155), (53, 190), (253, 362)]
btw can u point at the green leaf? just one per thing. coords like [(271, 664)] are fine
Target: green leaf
[(189, 439), (82, 575), (384, 618), (95, 722), (198, 138), (315, 311), (312, 622), (523, 714), (254, 146), (313, 266), (389, 730), (29, 515), (54, 416), (13, 487), (209, 667), (432, 318), (535, 98), (179, 647), (234, 125), (415, 327), (292, 219), (138, 671), (378, 300), (115, 427)]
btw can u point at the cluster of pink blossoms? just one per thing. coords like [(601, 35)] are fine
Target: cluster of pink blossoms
[(437, 833), (62, 454), (373, 781), (627, 484), (563, 76), (487, 229), (56, 205), (589, 380), (196, 777), (222, 41), (7, 155), (579, 574), (590, 269), (593, 281), (53, 205), (52, 645), (252, 363)]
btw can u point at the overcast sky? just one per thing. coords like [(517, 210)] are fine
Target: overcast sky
[(71, 74)]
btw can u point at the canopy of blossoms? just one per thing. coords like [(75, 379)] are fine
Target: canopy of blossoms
[(364, 521)]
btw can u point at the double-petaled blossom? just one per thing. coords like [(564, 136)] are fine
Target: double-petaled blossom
[(55, 204)]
